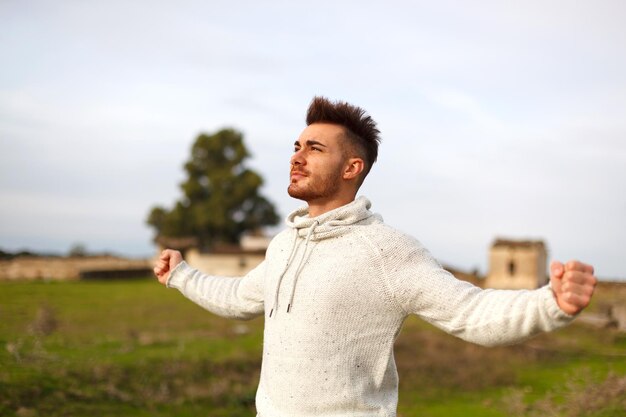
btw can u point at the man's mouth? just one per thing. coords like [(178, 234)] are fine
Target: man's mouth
[(297, 174)]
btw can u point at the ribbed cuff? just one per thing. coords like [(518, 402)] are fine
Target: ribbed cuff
[(553, 307), (178, 276)]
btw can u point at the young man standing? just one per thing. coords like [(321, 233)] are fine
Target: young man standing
[(337, 284)]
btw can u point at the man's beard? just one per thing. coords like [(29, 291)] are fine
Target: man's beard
[(316, 188)]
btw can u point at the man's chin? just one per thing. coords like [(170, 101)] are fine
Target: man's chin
[(302, 194), (297, 194)]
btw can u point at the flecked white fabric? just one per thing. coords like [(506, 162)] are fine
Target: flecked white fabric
[(332, 353)]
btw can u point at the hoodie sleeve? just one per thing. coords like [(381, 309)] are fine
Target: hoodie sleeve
[(239, 298), (487, 317)]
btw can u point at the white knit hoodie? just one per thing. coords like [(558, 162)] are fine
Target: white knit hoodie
[(335, 290)]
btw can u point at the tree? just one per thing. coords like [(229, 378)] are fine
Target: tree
[(221, 197)]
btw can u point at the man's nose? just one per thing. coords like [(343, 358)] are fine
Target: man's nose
[(297, 159)]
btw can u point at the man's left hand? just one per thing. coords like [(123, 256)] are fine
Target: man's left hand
[(573, 285)]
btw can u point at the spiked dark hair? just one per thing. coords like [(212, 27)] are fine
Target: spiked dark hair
[(360, 127)]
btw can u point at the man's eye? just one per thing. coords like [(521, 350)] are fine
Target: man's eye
[(316, 149)]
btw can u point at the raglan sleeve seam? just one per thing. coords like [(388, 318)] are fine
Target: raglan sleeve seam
[(384, 276)]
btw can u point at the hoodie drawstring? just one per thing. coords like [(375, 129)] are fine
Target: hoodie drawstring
[(280, 279), (301, 264), (298, 269)]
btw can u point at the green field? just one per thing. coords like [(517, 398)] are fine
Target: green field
[(133, 348)]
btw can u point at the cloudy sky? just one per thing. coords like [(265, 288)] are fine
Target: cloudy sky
[(499, 119)]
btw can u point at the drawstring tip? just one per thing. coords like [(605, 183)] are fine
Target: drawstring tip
[(288, 308), (271, 311)]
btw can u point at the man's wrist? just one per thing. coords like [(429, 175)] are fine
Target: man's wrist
[(177, 276)]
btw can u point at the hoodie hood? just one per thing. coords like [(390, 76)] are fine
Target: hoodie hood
[(332, 223), (310, 229)]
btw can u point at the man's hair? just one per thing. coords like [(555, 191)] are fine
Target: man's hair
[(360, 127)]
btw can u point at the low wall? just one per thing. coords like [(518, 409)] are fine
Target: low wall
[(62, 268)]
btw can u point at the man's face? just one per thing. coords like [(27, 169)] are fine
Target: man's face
[(317, 163)]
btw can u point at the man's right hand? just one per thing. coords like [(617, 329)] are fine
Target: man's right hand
[(167, 262)]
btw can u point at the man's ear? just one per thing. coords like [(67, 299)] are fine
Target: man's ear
[(353, 168)]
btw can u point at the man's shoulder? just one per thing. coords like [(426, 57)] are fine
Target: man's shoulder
[(283, 237), (385, 236)]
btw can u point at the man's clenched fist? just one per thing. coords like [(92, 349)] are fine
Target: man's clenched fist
[(166, 263), (573, 285)]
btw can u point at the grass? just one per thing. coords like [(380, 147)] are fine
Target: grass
[(133, 348)]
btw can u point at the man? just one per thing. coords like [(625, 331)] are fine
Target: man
[(337, 284)]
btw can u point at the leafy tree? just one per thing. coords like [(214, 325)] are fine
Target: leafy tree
[(221, 195)]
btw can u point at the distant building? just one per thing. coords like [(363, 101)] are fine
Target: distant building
[(224, 260), (517, 264)]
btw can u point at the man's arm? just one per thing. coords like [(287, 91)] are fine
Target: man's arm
[(240, 298), (487, 317)]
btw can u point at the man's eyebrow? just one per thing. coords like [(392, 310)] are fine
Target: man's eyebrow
[(314, 142), (310, 142)]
